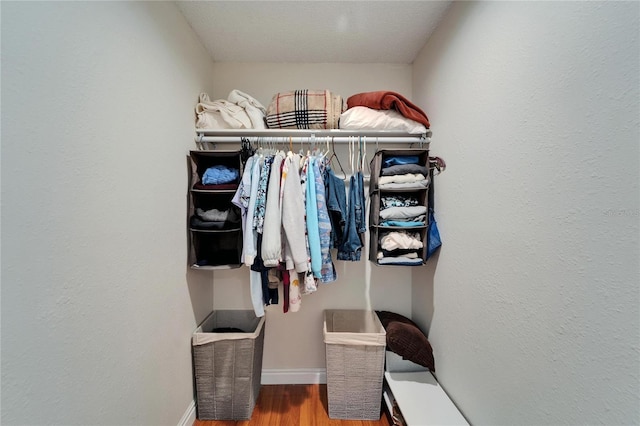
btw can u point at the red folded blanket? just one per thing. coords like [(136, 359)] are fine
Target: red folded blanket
[(389, 100)]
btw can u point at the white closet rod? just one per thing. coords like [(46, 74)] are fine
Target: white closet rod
[(309, 136)]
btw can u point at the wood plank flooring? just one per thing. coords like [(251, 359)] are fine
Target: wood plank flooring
[(293, 405)]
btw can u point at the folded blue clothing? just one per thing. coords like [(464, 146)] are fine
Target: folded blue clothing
[(220, 174), (400, 159), (388, 201), (402, 223), (405, 261)]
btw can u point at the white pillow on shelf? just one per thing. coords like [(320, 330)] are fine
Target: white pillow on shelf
[(364, 118)]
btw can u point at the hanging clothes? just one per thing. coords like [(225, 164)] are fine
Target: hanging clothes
[(242, 198), (351, 246), (258, 266), (271, 239), (336, 204), (293, 215), (246, 196), (327, 270), (261, 197), (307, 281), (250, 236), (313, 230), (295, 299)]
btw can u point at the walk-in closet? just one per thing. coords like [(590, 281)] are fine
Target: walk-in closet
[(530, 304)]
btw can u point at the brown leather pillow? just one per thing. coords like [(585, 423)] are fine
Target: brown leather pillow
[(387, 317), (407, 340)]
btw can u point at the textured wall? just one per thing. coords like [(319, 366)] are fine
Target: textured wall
[(263, 80), (533, 305), (97, 303), (294, 340)]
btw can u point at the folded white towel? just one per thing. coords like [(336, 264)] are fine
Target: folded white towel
[(215, 215), (253, 108), (411, 255), (400, 240), (403, 212), (220, 114), (420, 184), (409, 177)]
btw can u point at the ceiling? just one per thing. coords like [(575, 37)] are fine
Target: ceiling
[(314, 31)]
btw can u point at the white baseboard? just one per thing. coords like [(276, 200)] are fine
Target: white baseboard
[(189, 416), (300, 376)]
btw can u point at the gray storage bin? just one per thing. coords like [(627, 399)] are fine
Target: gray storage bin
[(228, 365), (355, 343)]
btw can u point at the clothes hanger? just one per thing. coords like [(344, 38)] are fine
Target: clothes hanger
[(334, 155), (350, 141), (360, 154), (364, 157)]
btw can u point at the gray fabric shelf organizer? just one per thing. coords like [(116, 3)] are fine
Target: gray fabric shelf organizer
[(228, 365)]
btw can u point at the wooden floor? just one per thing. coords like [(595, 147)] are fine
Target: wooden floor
[(293, 405)]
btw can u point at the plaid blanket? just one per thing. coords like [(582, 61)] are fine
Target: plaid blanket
[(305, 109)]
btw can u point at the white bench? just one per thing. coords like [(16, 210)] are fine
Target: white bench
[(417, 394)]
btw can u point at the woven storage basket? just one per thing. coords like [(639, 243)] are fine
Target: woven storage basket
[(355, 345), (228, 366)]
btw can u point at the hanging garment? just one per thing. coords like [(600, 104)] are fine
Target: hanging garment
[(327, 270), (261, 197), (242, 197), (255, 288), (274, 282), (293, 214), (271, 237), (286, 286), (313, 230), (295, 300), (307, 282), (336, 204), (250, 236), (258, 266), (351, 246), (360, 208)]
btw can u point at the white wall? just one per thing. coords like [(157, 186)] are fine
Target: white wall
[(97, 302), (294, 340), (263, 80), (534, 303)]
